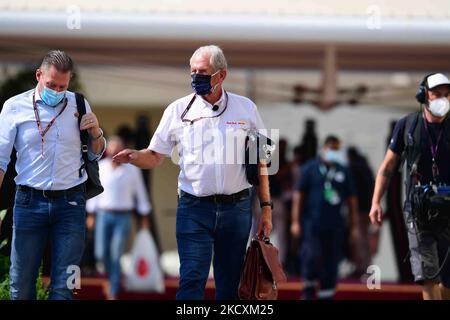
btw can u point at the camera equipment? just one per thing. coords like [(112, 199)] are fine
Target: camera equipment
[(431, 206)]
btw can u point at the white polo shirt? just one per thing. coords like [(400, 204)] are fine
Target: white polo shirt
[(211, 150)]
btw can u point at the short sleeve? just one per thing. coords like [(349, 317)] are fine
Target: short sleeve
[(258, 122), (162, 140), (397, 143)]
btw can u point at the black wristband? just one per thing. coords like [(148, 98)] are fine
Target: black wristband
[(266, 203)]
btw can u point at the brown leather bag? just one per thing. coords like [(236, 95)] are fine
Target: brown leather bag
[(262, 271)]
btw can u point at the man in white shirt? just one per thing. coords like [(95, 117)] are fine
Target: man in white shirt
[(124, 192), (42, 125), (213, 215)]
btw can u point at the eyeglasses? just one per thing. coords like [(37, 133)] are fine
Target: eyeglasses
[(200, 118)]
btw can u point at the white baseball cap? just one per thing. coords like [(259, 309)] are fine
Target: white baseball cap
[(437, 80)]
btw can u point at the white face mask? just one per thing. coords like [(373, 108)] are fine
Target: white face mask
[(439, 107)]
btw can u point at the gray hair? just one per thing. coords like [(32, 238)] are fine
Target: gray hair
[(59, 59), (217, 59)]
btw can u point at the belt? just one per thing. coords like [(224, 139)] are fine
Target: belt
[(53, 193), (117, 211), (220, 198)]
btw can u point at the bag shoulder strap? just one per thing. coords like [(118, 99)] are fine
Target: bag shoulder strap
[(411, 152), (84, 136), (447, 130)]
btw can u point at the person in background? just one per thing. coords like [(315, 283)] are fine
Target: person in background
[(324, 186), (292, 263), (124, 192), (279, 186), (364, 183)]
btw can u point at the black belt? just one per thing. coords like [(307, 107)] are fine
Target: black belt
[(220, 198), (54, 193)]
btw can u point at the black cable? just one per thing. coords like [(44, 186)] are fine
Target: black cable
[(409, 251), (443, 264), (415, 232)]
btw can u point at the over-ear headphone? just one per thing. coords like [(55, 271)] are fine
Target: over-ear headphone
[(421, 94)]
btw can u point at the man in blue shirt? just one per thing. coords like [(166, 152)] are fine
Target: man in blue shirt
[(42, 125), (324, 185)]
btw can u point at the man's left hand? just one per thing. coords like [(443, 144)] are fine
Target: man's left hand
[(89, 121), (265, 222)]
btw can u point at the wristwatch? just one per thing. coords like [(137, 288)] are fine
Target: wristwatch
[(266, 203)]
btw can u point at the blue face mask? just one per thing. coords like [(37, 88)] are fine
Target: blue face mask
[(51, 97), (201, 83), (333, 156)]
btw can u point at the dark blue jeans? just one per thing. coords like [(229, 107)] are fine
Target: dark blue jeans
[(36, 219), (208, 230), (321, 252)]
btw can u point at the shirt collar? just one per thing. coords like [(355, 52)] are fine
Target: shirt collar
[(37, 95), (221, 102)]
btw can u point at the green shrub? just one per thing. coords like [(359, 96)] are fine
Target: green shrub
[(41, 289)]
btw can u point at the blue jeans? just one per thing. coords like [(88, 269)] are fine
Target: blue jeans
[(204, 230), (35, 220), (111, 235)]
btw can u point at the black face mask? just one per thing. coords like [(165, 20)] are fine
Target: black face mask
[(201, 83)]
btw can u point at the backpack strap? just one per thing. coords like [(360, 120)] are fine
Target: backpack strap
[(447, 132), (412, 150), (84, 136)]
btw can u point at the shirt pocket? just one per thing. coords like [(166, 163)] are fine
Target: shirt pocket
[(234, 142), (190, 138)]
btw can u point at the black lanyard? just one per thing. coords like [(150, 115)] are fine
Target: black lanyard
[(200, 118), (42, 133), (434, 148)]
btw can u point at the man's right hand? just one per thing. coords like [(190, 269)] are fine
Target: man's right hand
[(376, 214), (126, 156), (296, 229)]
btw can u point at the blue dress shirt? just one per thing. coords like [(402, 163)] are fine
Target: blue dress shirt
[(57, 167)]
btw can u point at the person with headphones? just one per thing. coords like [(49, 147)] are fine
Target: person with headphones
[(422, 139)]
